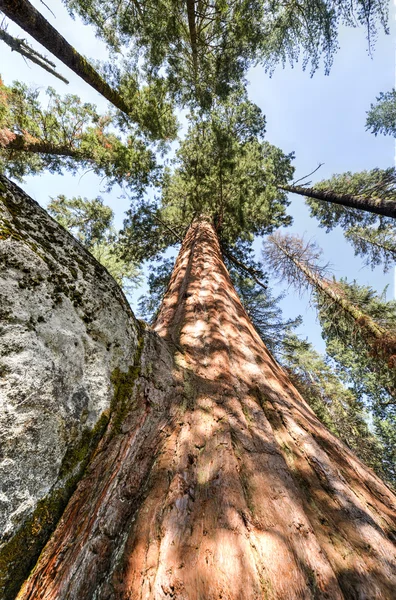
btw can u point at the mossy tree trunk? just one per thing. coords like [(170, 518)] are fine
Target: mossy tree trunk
[(237, 492)]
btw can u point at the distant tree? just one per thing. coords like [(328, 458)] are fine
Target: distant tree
[(381, 118), (346, 341), (91, 222), (337, 406), (68, 135), (354, 318)]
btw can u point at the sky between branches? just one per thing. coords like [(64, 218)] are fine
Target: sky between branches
[(321, 119)]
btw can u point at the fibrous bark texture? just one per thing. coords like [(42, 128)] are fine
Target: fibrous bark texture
[(215, 479)]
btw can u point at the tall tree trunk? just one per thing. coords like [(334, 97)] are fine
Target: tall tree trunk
[(193, 34), (26, 51), (387, 207), (240, 494), (23, 13), (330, 291)]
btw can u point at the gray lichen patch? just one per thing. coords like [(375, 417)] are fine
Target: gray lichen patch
[(65, 329)]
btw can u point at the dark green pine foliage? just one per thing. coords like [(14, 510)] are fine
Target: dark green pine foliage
[(364, 370), (65, 134), (224, 170), (372, 236), (205, 48), (346, 341), (381, 118), (91, 223)]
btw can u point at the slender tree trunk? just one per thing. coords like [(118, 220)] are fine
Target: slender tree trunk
[(242, 494), (193, 34), (23, 13), (21, 143), (387, 207), (329, 290), (26, 51)]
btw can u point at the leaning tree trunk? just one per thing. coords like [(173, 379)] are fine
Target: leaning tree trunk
[(23, 13), (235, 490), (12, 142), (378, 206)]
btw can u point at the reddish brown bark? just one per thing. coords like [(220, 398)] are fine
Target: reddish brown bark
[(234, 491)]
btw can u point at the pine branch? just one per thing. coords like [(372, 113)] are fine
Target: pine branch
[(245, 268)]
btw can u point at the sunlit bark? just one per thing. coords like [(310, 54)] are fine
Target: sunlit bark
[(236, 492)]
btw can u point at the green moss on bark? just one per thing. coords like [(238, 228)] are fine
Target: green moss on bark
[(20, 553)]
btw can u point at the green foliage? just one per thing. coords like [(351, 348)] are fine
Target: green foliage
[(149, 102), (375, 246), (377, 183), (158, 280), (68, 135), (381, 118), (224, 171), (346, 341), (262, 309), (205, 48), (385, 429), (91, 222), (337, 406)]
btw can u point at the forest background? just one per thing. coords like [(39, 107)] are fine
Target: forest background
[(320, 118)]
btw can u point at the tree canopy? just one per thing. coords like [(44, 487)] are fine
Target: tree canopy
[(381, 117), (205, 48), (223, 170), (66, 135)]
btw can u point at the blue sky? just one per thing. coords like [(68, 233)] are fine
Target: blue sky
[(321, 119)]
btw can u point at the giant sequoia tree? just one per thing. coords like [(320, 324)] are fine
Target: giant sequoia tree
[(178, 460)]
